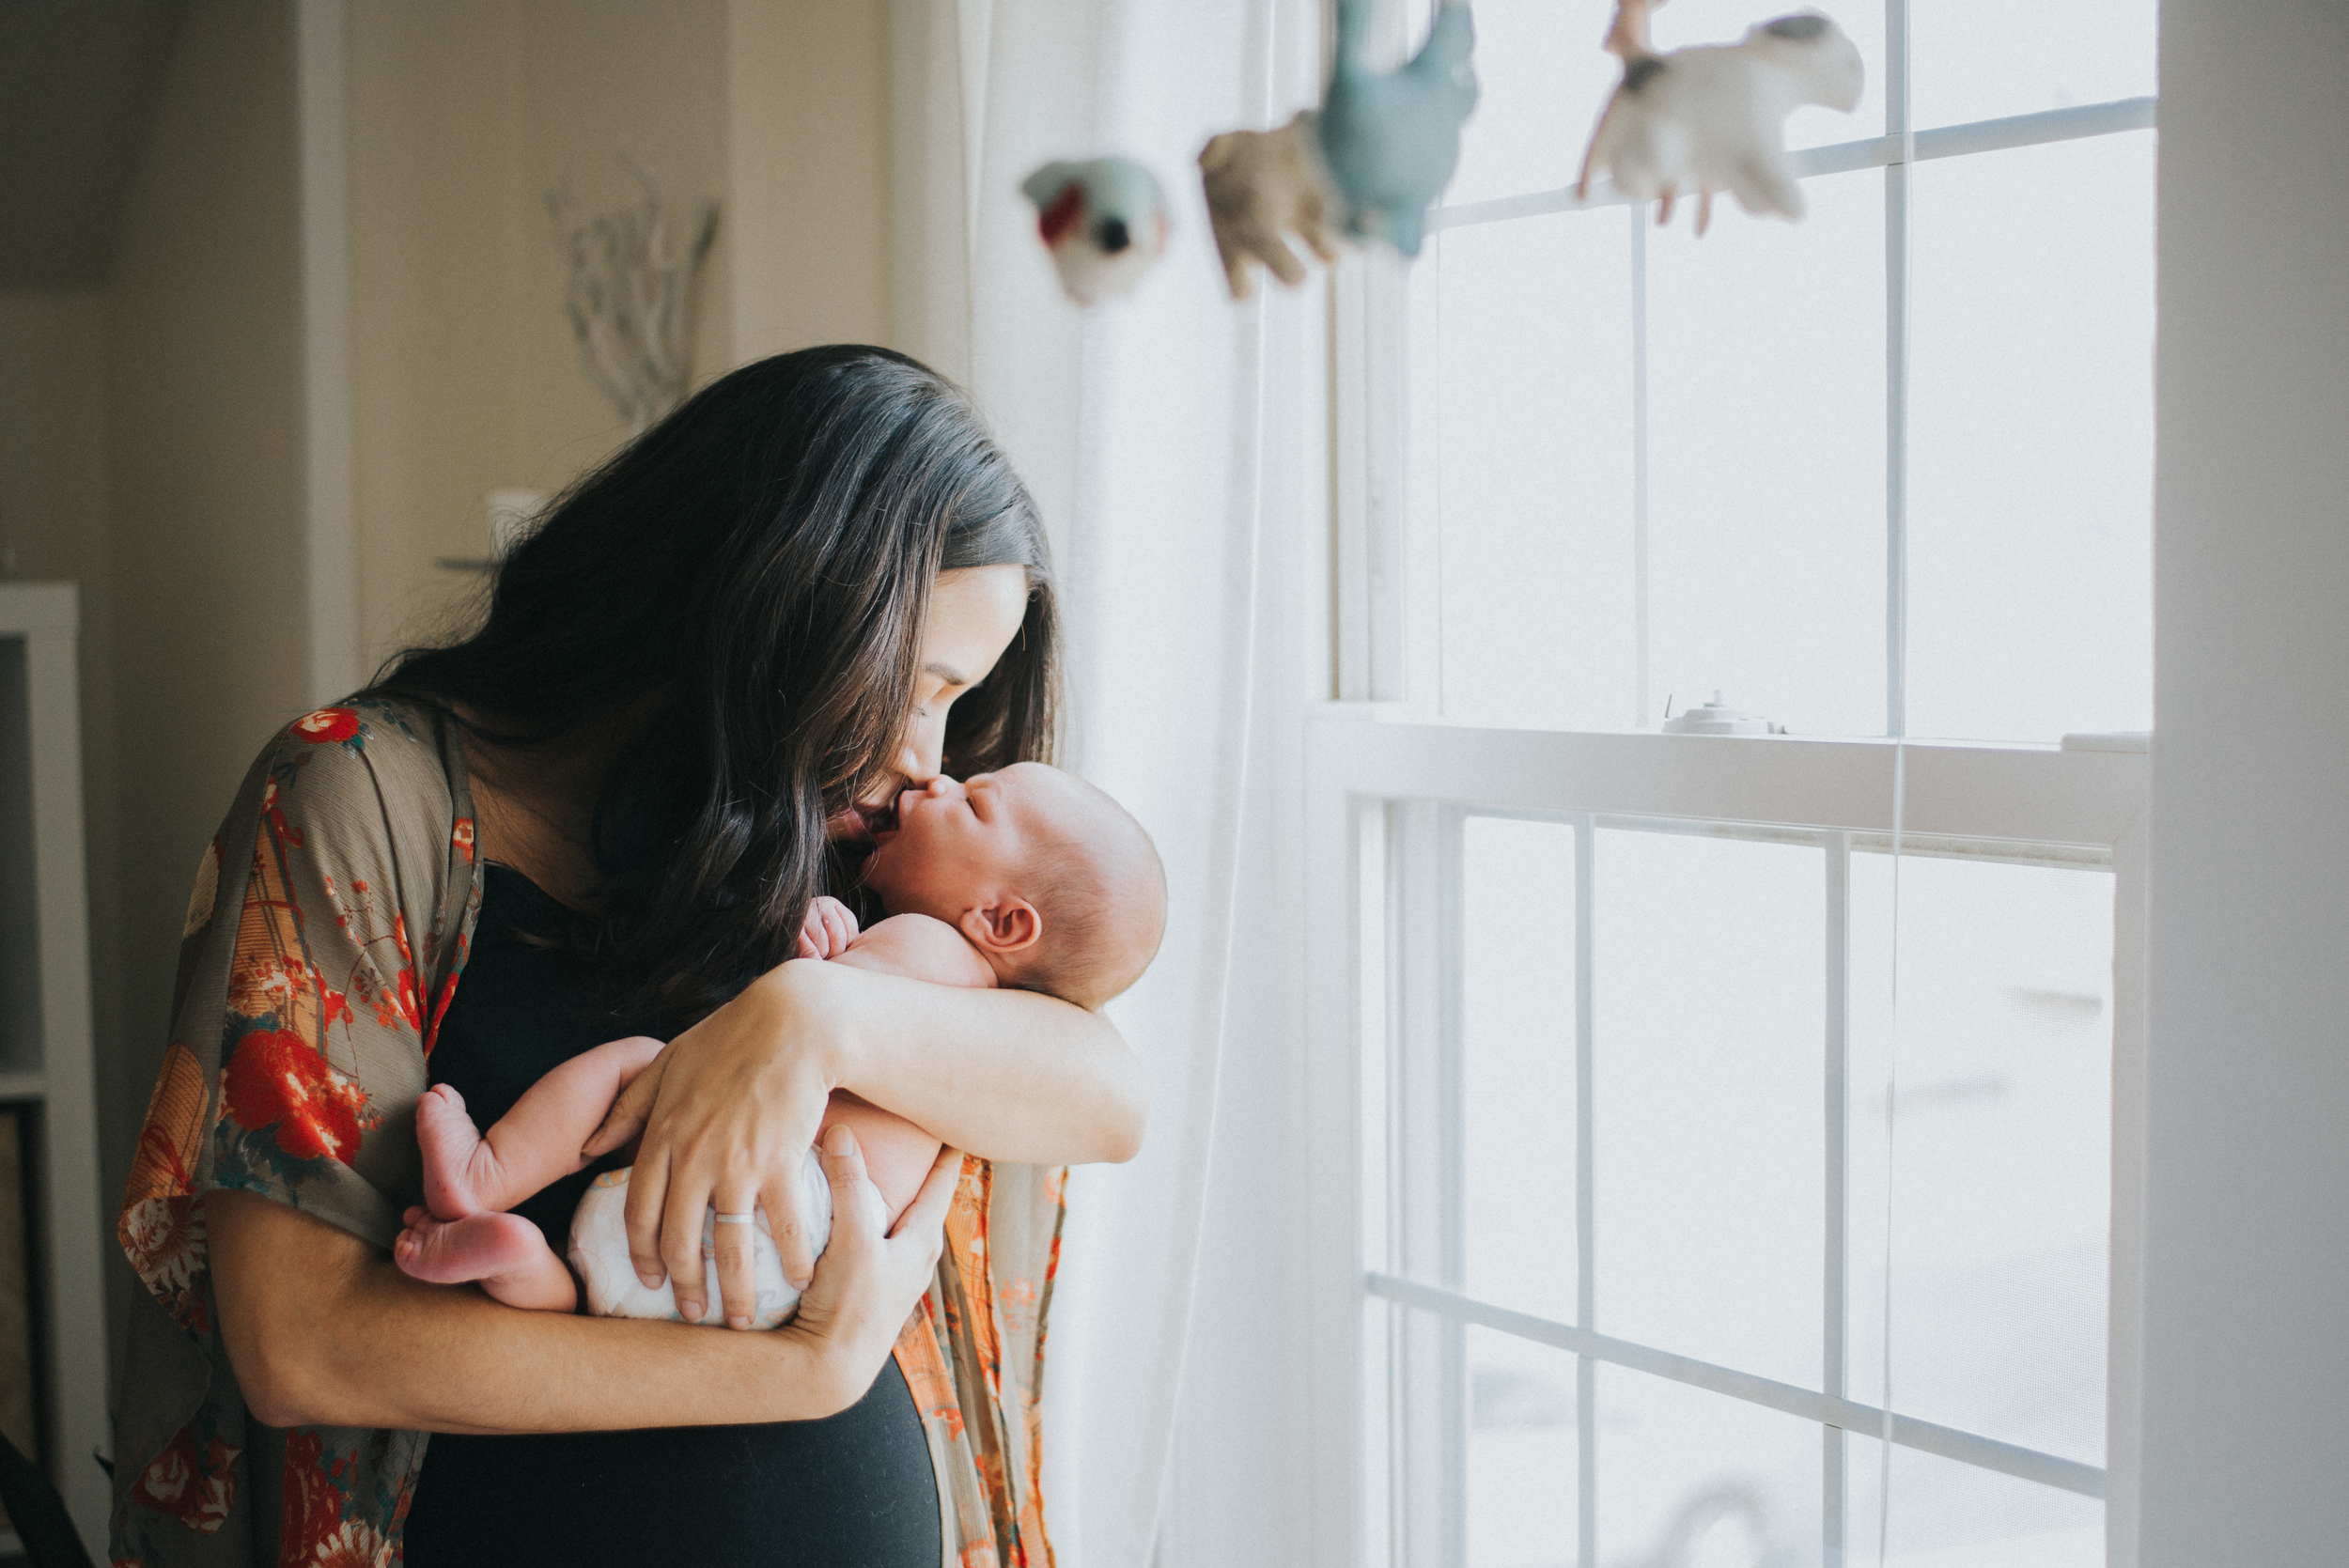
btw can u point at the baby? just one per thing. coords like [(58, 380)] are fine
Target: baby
[(1027, 878)]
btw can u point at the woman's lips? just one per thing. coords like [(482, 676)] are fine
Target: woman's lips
[(854, 826)]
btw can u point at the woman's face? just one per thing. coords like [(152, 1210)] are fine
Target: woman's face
[(975, 613)]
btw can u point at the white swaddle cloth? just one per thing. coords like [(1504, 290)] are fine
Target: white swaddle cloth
[(600, 1254)]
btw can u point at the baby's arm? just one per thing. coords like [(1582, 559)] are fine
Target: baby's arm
[(897, 1154)]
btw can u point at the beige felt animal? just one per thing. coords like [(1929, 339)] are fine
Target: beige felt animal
[(1262, 187), (1712, 118)]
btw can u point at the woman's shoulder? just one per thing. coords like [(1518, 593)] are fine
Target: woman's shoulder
[(372, 743), (366, 768)]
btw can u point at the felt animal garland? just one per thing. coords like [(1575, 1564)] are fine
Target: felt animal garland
[(1712, 118), (1369, 162), (1104, 221)]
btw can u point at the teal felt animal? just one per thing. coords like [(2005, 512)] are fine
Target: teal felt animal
[(1391, 140)]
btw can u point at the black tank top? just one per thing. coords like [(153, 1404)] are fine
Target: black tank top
[(853, 1489)]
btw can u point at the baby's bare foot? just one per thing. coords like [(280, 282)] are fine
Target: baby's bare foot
[(448, 1139), (504, 1252), (458, 1252)]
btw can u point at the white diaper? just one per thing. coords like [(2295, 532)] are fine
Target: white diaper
[(600, 1254)]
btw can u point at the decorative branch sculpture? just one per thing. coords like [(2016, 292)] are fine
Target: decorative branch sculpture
[(630, 301)]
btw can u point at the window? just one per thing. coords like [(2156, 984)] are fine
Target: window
[(1704, 1112)]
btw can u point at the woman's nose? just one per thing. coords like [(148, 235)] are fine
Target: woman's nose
[(924, 751)]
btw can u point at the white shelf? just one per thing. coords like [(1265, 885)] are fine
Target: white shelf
[(45, 1024)]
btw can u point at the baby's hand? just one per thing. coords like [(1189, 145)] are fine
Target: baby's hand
[(829, 930)]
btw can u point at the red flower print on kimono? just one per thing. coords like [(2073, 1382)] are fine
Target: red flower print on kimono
[(195, 1485), (279, 1077), (312, 1529), (162, 1223), (327, 725)]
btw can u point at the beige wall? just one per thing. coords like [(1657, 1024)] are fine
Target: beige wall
[(54, 526), (463, 114), (437, 234), (807, 100), (203, 415)]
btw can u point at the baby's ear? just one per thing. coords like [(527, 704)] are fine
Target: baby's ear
[(1010, 924)]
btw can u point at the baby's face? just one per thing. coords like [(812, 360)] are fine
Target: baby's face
[(958, 845)]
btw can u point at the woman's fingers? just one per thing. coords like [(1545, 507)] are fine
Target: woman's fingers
[(736, 1247), (648, 1185), (926, 1214), (853, 1220), (625, 1118), (786, 1222), (683, 1209)]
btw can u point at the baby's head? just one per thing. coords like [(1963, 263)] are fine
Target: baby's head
[(1044, 875)]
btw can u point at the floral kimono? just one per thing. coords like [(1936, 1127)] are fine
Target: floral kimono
[(326, 933)]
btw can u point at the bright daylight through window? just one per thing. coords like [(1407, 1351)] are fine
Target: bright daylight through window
[(1730, 1106)]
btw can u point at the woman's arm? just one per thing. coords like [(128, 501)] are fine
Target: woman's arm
[(729, 1107), (323, 1330)]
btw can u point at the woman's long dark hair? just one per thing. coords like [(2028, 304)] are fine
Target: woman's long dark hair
[(757, 568)]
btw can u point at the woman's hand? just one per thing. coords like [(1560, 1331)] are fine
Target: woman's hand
[(728, 1111), (869, 1284)]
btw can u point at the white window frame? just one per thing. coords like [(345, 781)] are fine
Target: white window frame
[(1367, 774), (1386, 780)]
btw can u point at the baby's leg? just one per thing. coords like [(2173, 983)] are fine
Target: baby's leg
[(898, 1154), (504, 1253), (467, 1171)]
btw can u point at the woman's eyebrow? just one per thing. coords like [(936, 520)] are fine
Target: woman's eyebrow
[(946, 673)]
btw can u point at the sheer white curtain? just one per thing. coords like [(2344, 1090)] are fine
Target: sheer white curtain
[(1173, 441)]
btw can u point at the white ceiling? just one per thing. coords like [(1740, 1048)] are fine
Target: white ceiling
[(78, 81)]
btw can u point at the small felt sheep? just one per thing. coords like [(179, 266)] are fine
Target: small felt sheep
[(1263, 186), (1103, 219), (1712, 118)]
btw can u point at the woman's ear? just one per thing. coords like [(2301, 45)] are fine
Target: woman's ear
[(1010, 924)]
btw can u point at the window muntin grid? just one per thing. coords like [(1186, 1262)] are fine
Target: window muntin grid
[(1443, 1416)]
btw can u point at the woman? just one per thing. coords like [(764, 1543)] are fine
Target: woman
[(815, 584)]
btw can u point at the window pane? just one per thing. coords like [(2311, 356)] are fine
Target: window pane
[(1686, 22), (1542, 78), (1521, 1464), (1970, 61), (1689, 1477), (1518, 1109), (1765, 442), (1534, 471), (2031, 441), (1708, 1138), (2001, 1143), (1946, 1514)]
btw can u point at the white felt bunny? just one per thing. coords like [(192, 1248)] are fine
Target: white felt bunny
[(1712, 118)]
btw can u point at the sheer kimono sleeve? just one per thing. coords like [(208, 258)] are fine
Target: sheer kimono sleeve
[(326, 931)]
